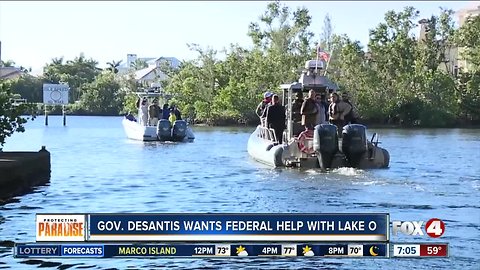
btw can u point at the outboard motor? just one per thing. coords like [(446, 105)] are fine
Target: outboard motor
[(325, 143), (354, 143), (179, 130), (164, 130)]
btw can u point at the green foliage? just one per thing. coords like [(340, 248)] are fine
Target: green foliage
[(28, 87), (113, 66), (397, 79), (138, 64), (326, 37), (400, 80), (8, 63), (468, 37), (129, 104), (75, 72), (103, 95), (128, 85), (11, 119), (469, 95)]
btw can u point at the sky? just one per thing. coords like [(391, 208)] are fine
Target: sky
[(33, 33)]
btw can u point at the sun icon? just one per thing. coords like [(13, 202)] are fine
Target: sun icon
[(241, 251), (307, 251)]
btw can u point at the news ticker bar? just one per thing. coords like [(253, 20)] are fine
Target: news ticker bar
[(213, 227), (380, 250)]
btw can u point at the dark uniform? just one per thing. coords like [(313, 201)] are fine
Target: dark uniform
[(296, 107), (276, 120)]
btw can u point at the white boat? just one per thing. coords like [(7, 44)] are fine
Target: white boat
[(180, 131), (322, 147), (135, 131)]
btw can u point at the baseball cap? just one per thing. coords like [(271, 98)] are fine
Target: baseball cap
[(267, 94)]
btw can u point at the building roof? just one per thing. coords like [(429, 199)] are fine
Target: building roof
[(139, 74), (152, 60), (10, 72), (147, 60), (173, 61), (473, 9)]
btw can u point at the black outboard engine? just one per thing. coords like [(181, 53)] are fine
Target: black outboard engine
[(164, 130), (325, 143), (354, 143), (179, 130)]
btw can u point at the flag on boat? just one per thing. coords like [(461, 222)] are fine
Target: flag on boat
[(321, 54)]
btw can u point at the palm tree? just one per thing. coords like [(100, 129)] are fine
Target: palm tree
[(57, 61), (113, 66), (8, 63), (139, 64), (24, 69)]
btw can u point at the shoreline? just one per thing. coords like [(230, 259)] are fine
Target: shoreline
[(232, 124)]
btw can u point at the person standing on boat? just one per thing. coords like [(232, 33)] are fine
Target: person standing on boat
[(321, 109), (337, 112), (178, 115), (352, 116), (130, 117), (276, 118), (154, 113), (138, 103), (143, 112), (323, 101), (309, 111), (165, 111), (262, 107), (296, 107), (172, 118)]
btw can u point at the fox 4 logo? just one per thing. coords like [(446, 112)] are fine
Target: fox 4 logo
[(434, 227)]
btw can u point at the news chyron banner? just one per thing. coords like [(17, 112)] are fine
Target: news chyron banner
[(213, 227), (90, 250)]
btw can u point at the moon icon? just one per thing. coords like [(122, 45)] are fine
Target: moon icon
[(372, 250)]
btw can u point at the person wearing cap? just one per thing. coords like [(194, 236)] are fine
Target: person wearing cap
[(262, 107), (154, 113)]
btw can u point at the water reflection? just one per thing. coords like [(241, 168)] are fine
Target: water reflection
[(433, 173)]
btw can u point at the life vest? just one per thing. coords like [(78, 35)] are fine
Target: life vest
[(306, 135)]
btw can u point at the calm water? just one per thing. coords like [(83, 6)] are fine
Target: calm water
[(433, 173)]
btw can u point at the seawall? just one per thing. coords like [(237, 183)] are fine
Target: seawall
[(21, 171)]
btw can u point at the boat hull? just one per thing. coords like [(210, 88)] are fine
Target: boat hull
[(289, 155), (135, 131), (264, 150)]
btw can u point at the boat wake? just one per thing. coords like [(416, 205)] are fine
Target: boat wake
[(348, 171), (345, 171)]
